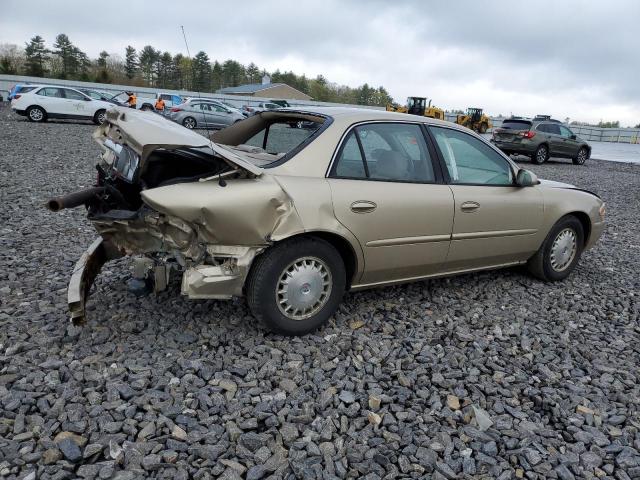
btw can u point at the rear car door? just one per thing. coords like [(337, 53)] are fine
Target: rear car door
[(570, 145), (556, 145), (496, 222), (388, 193), (52, 100)]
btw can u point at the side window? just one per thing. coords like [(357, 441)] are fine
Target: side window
[(542, 128), (350, 163), (392, 151), (219, 109), (565, 132), (50, 92), (165, 97), (471, 161), (553, 128), (73, 95)]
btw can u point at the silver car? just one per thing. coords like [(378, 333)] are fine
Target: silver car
[(201, 113)]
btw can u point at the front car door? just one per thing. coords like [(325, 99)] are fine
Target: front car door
[(77, 104), (496, 222), (570, 145), (389, 193)]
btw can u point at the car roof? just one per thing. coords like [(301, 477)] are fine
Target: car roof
[(354, 115)]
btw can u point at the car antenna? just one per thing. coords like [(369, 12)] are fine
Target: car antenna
[(221, 181)]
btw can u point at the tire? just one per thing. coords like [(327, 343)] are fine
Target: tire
[(308, 261), (36, 114), (189, 123), (582, 156), (541, 155), (299, 124), (483, 128), (556, 259), (99, 117)]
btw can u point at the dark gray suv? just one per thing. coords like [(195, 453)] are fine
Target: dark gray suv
[(540, 140)]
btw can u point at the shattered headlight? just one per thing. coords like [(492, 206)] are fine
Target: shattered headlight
[(126, 160)]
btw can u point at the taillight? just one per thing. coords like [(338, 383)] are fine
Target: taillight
[(176, 109), (528, 134), (16, 96)]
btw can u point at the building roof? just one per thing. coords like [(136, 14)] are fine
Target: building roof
[(252, 87)]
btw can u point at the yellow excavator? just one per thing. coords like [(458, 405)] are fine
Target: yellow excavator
[(475, 120), (417, 106)]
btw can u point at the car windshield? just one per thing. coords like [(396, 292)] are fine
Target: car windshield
[(516, 125)]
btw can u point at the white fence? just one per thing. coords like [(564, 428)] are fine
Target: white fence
[(620, 135)]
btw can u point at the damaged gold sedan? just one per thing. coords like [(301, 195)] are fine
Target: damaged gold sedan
[(292, 217)]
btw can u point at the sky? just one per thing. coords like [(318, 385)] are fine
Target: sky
[(566, 58)]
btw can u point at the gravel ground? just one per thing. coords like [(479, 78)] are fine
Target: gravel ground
[(489, 375)]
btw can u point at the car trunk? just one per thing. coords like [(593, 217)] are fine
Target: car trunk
[(510, 130)]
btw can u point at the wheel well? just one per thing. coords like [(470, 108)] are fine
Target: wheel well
[(343, 247), (586, 224), (34, 106)]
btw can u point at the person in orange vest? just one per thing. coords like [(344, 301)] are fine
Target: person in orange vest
[(132, 100), (159, 105)]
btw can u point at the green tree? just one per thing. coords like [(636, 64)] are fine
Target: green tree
[(66, 52), (36, 56), (148, 59), (201, 72), (103, 75), (615, 124), (233, 74), (165, 71), (253, 73), (130, 62), (216, 76)]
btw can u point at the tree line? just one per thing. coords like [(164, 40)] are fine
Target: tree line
[(149, 67)]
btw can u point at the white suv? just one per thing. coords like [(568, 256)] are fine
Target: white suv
[(50, 101)]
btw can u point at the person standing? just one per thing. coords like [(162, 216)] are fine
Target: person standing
[(159, 105), (132, 100)]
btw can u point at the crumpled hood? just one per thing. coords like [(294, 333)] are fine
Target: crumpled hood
[(145, 132)]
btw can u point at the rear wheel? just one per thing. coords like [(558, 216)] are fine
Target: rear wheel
[(99, 117), (36, 114), (483, 128), (560, 252), (583, 153), (294, 287), (190, 123), (541, 155)]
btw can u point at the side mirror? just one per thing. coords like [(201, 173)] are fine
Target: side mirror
[(87, 99), (526, 178)]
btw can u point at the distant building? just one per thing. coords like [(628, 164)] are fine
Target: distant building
[(266, 89)]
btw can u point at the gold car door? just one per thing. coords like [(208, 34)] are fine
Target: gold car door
[(385, 191), (495, 221)]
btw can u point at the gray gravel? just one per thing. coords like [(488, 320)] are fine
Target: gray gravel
[(485, 375)]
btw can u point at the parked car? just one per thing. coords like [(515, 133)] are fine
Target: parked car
[(260, 107), (204, 113), (540, 140), (97, 95), (18, 89), (50, 101), (292, 218), (148, 103)]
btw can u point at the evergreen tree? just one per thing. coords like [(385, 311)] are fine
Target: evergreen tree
[(131, 62), (103, 74), (201, 72), (253, 73), (66, 52), (148, 58), (36, 57)]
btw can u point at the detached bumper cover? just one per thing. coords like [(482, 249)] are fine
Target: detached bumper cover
[(84, 274)]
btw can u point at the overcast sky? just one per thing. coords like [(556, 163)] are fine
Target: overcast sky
[(565, 58)]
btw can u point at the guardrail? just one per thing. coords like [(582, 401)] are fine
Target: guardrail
[(597, 134)]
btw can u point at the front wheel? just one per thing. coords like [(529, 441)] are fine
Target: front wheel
[(581, 157), (189, 122), (36, 114), (560, 252), (295, 286), (99, 117), (541, 155), (483, 128)]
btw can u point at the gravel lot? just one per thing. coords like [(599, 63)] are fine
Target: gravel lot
[(485, 375)]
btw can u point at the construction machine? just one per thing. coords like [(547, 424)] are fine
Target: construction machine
[(417, 106), (475, 120)]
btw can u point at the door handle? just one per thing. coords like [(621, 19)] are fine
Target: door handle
[(469, 206), (363, 206)]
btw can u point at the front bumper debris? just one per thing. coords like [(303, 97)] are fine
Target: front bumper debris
[(83, 276)]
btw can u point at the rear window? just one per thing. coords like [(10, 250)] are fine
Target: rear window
[(516, 125), (25, 89)]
